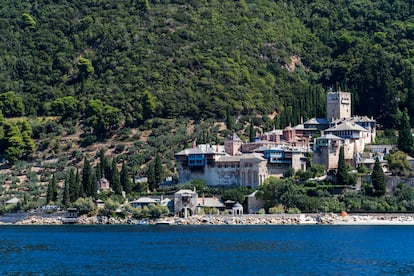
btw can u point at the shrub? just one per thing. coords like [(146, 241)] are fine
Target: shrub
[(289, 172), (293, 210), (111, 205), (279, 209), (119, 148), (84, 205)]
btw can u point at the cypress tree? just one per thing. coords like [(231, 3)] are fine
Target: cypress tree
[(87, 178), (116, 180), (49, 192), (229, 119), (66, 193), (342, 174), (78, 184), (405, 138), (252, 132), (378, 179), (107, 170), (157, 171), (94, 185), (73, 187), (54, 188), (98, 171), (103, 167), (151, 177), (125, 181)]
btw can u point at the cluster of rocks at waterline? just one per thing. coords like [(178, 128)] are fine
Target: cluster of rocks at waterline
[(277, 219), (302, 219)]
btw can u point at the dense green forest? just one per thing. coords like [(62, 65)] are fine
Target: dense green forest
[(142, 59)]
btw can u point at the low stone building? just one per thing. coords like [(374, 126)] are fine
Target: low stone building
[(254, 204), (185, 203)]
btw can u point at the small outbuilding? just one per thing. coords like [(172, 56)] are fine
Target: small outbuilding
[(237, 209), (14, 200)]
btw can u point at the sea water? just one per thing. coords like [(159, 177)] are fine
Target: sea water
[(206, 250)]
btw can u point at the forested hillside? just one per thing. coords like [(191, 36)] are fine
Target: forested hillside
[(114, 64)]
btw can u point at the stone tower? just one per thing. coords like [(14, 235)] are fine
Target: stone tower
[(338, 105)]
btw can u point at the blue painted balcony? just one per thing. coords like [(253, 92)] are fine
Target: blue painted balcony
[(196, 160)]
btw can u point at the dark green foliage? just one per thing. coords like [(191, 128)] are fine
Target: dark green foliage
[(115, 178), (289, 172), (73, 185), (342, 176), (152, 185), (102, 118), (125, 179), (104, 168), (11, 105), (236, 194), (51, 195), (158, 58), (252, 132), (66, 107), (210, 57), (85, 67), (405, 137), (88, 185), (16, 142), (398, 163), (66, 191), (158, 171), (378, 179), (280, 191), (229, 119)]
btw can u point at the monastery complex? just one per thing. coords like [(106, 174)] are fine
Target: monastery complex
[(237, 163)]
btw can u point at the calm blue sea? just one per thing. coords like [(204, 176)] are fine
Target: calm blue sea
[(206, 250)]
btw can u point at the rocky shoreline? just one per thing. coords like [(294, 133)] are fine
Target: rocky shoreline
[(279, 219)]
